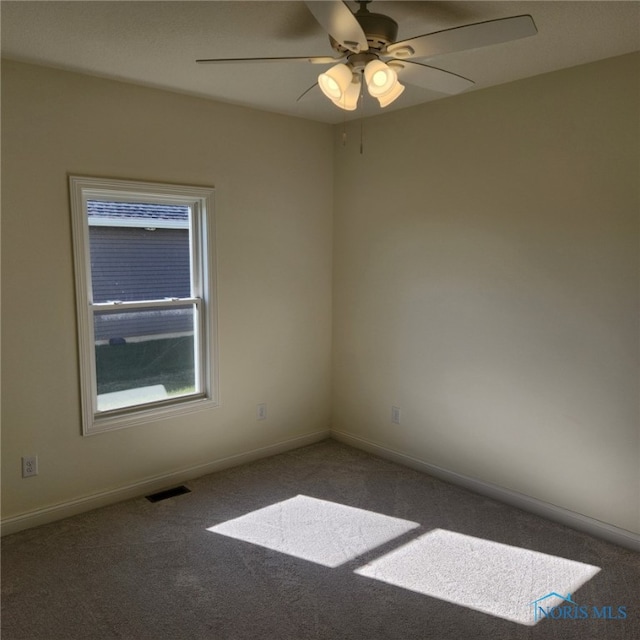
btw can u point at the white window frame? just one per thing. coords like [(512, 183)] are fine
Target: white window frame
[(203, 297)]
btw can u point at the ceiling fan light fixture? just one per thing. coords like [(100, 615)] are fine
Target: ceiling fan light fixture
[(391, 95), (380, 78), (350, 98), (335, 82)]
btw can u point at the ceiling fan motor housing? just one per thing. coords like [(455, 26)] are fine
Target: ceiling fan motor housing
[(380, 30)]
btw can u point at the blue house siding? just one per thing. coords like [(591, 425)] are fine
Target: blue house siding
[(139, 252), (137, 264)]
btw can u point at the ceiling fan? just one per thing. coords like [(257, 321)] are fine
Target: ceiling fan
[(367, 52)]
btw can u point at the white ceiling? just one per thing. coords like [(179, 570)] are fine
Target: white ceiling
[(156, 43)]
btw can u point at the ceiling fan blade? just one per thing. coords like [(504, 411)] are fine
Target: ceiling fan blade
[(337, 20), (302, 95), (470, 36), (428, 77), (311, 59)]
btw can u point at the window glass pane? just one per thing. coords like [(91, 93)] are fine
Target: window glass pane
[(144, 355), (138, 251)]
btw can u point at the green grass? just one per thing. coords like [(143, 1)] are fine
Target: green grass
[(168, 361)]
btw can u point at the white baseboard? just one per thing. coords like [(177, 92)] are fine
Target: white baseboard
[(563, 516), (149, 485), (566, 517)]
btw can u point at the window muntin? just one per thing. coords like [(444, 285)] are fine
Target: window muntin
[(144, 257)]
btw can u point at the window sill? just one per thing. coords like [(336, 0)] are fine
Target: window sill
[(112, 420)]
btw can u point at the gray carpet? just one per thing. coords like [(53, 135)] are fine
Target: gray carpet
[(325, 542)]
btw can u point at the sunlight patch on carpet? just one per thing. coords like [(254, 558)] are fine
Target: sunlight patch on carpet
[(316, 530), (486, 576)]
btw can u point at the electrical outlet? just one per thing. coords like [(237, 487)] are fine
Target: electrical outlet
[(395, 415), (29, 466), (261, 413)]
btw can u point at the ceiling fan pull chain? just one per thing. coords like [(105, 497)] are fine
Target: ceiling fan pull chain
[(361, 101), (344, 128)]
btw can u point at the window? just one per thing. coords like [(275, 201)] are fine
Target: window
[(145, 296)]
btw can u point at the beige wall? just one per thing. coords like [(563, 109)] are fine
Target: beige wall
[(273, 179), (486, 281)]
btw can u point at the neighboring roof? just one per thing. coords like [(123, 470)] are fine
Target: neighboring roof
[(137, 214)]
